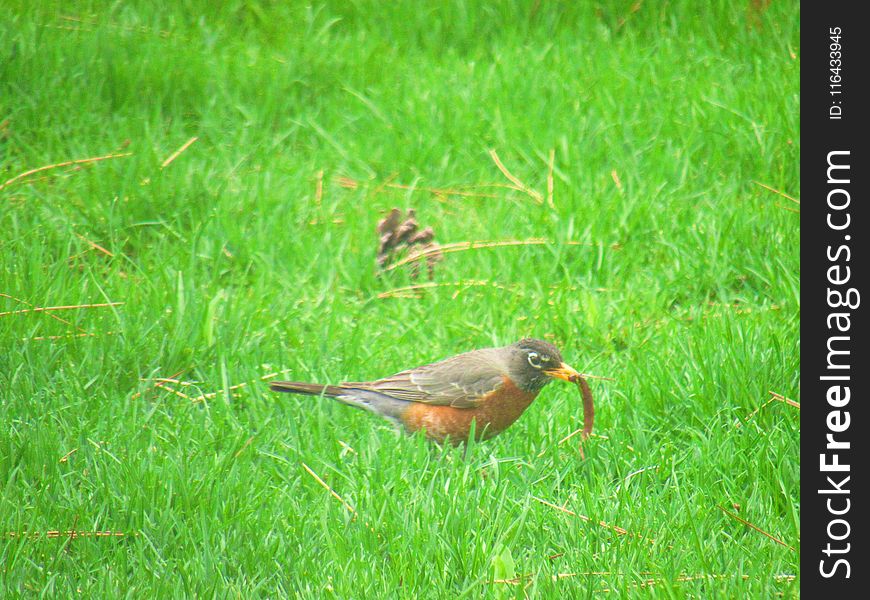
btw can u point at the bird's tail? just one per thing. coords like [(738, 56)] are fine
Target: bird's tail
[(310, 389)]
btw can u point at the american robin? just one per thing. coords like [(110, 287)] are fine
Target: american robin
[(490, 387)]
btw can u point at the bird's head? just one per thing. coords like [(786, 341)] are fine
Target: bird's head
[(534, 363)]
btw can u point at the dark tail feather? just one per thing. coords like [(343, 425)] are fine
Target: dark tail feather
[(310, 389)]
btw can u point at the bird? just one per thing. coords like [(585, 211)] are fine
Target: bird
[(482, 391)]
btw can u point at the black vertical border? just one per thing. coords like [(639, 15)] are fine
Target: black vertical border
[(819, 136)]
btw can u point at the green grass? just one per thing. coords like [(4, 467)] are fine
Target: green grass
[(229, 266)]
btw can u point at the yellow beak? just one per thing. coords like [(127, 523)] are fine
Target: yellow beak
[(564, 372)]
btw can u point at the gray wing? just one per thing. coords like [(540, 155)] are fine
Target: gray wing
[(460, 381)]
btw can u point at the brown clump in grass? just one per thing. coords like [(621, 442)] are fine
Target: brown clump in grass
[(397, 236)]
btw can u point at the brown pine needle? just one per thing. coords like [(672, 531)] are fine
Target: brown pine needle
[(755, 527), (37, 309), (756, 411), (94, 245), (773, 397), (72, 533), (776, 191), (178, 152), (211, 395), (67, 163), (158, 380), (55, 317), (782, 398), (163, 386), (170, 380), (335, 495), (536, 196), (615, 528)]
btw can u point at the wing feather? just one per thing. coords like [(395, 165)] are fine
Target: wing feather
[(460, 381)]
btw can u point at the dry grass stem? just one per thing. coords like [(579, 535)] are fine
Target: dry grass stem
[(773, 397), (72, 534), (170, 380), (776, 191), (245, 445), (211, 395), (615, 528), (569, 436), (347, 182), (67, 163), (334, 494), (66, 456), (788, 401), (162, 383), (53, 316), (633, 474), (756, 528), (157, 381), (171, 390), (178, 152), (346, 447), (38, 309), (536, 196), (94, 245), (615, 176)]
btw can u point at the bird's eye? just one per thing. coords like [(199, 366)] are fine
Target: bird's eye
[(535, 360)]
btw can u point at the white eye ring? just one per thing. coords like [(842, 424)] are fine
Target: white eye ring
[(534, 360)]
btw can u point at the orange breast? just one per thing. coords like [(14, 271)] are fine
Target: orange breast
[(494, 413)]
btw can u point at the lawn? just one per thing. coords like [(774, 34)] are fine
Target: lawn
[(641, 158)]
